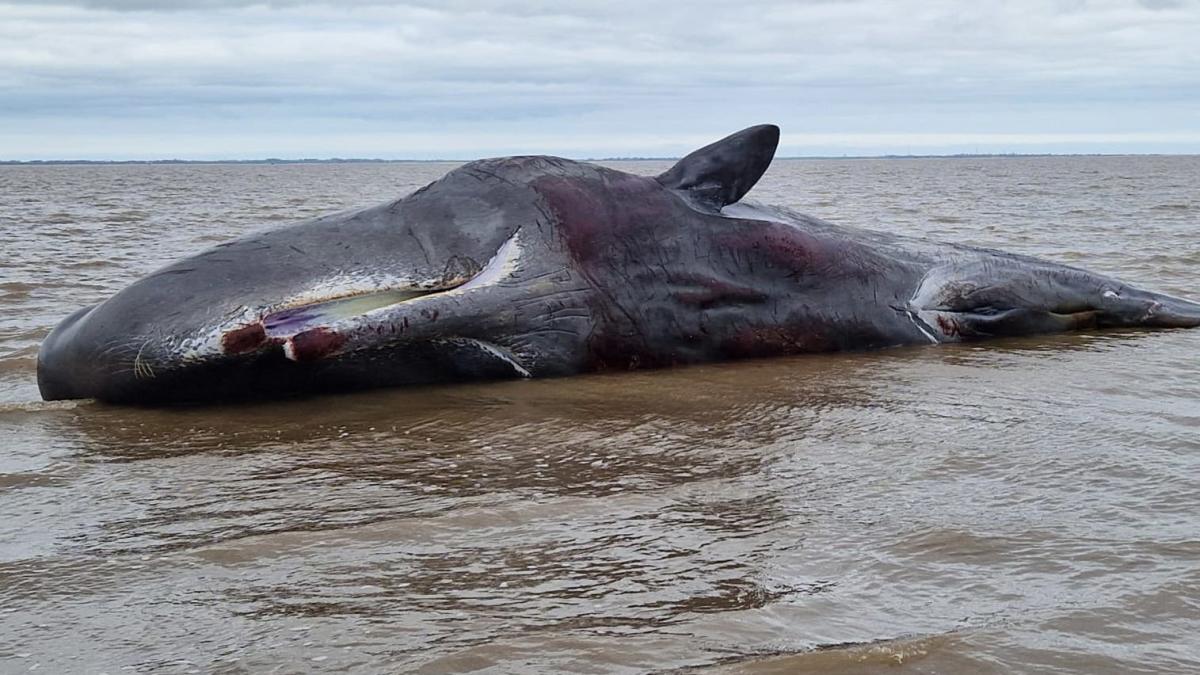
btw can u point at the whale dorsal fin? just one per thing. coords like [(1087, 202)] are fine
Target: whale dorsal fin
[(723, 172)]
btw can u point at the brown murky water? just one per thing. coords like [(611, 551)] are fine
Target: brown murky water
[(1023, 506)]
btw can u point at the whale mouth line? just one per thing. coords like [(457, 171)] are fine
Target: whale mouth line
[(294, 319), (282, 326)]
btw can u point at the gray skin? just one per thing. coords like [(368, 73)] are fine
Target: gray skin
[(539, 267)]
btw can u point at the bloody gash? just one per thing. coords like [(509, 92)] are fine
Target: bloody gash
[(540, 266)]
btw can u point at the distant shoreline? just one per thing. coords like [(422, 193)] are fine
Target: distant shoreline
[(336, 160)]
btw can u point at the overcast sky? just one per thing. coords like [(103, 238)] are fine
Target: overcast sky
[(127, 79)]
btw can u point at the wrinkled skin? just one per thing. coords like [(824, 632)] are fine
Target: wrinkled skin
[(539, 266)]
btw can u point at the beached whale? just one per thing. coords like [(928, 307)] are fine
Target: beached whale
[(539, 266)]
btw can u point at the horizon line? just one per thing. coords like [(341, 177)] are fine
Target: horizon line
[(374, 160)]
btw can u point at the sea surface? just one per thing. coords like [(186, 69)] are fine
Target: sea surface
[(1022, 506)]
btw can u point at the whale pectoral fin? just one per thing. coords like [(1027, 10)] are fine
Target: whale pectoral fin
[(723, 172)]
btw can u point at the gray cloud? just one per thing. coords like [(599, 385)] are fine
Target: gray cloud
[(566, 76)]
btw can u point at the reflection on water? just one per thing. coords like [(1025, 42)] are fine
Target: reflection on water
[(1024, 505)]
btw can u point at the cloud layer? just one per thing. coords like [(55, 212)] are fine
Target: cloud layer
[(456, 79)]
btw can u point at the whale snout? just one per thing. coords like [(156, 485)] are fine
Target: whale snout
[(58, 370), (90, 355), (70, 364)]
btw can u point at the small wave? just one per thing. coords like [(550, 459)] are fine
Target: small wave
[(12, 296), (89, 264), (126, 217), (67, 232), (60, 218), (18, 364), (1171, 207), (854, 657), (32, 333), (40, 406), (948, 219), (18, 480)]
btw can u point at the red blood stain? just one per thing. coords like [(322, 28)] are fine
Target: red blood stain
[(244, 340), (948, 327), (315, 343), (778, 245), (595, 214)]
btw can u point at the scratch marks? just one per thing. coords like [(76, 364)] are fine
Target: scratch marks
[(141, 369)]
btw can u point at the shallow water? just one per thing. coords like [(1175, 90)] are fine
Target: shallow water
[(1021, 506)]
